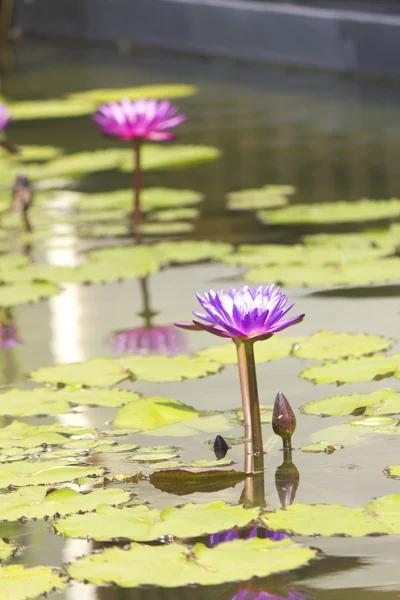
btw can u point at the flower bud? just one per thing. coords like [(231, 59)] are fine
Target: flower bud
[(283, 417), (220, 447)]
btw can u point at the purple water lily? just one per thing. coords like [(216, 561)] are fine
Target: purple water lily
[(253, 592), (234, 534), (5, 117), (249, 314), (138, 120), (9, 336), (155, 340)]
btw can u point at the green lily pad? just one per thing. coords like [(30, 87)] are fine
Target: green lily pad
[(171, 90), (354, 432), (100, 372), (36, 503), (166, 228), (381, 516), (163, 368), (78, 165), (376, 423), (96, 230), (393, 471), (21, 435), (37, 473), (350, 274), (335, 212), (365, 239), (321, 447), (182, 483), (174, 565), (211, 464), (7, 549), (150, 199), (190, 251), (18, 582), (153, 413), (143, 524), (26, 403), (31, 153), (354, 370), (275, 254), (266, 411), (23, 293), (82, 397), (380, 402), (325, 345), (195, 426), (154, 157), (176, 214), (269, 196), (153, 458), (272, 349)]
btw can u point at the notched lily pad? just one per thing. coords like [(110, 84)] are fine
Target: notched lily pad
[(13, 295), (175, 565), (26, 403), (164, 368), (155, 156), (143, 524), (7, 549), (153, 413), (354, 370), (18, 582), (272, 349), (24, 473), (269, 196), (321, 447), (380, 402), (100, 372), (325, 345)]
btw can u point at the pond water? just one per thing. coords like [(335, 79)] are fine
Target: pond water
[(333, 139)]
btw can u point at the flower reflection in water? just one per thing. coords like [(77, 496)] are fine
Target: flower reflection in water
[(149, 338), (253, 592), (8, 331), (234, 534)]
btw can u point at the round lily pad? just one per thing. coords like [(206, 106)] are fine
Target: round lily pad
[(18, 582), (272, 349), (175, 565), (143, 524), (164, 368), (7, 549), (325, 345), (174, 214), (380, 402), (195, 426), (151, 199), (104, 95), (269, 196), (26, 403), (153, 413), (23, 293), (354, 370), (21, 435), (99, 372), (166, 228), (37, 473), (335, 212), (155, 156)]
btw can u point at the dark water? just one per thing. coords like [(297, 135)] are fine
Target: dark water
[(333, 139)]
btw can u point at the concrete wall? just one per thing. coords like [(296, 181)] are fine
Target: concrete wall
[(284, 33)]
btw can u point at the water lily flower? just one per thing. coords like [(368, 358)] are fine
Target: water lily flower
[(138, 120), (164, 339), (5, 117), (246, 315), (234, 534), (135, 122), (250, 314)]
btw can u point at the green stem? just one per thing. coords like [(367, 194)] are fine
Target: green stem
[(251, 407), (146, 313), (137, 184)]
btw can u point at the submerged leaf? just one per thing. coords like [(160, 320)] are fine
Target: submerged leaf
[(196, 426), (143, 524), (175, 565), (354, 370)]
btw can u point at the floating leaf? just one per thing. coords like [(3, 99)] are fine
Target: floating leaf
[(383, 237), (354, 370), (174, 565), (381, 516), (143, 524), (153, 458), (155, 156), (393, 471), (26, 403), (326, 345), (21, 435), (82, 397), (384, 402), (266, 411), (176, 214), (351, 274), (171, 90), (13, 295), (377, 423), (100, 372), (152, 413), (17, 582), (348, 434), (190, 251), (31, 153), (182, 483), (166, 228), (78, 165), (321, 447), (164, 368), (49, 109), (196, 426), (269, 196), (7, 549), (36, 503), (334, 212), (272, 349), (211, 464), (150, 199), (38, 473)]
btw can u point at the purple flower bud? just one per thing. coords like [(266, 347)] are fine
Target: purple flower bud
[(283, 417)]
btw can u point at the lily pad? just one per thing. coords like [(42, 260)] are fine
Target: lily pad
[(82, 397), (154, 157), (174, 565), (266, 411), (151, 199), (380, 402), (272, 349), (153, 413), (335, 212), (23, 293), (26, 403), (166, 228), (163, 368), (195, 426), (382, 237), (31, 153), (21, 435), (143, 524), (36, 503), (100, 372), (152, 458), (171, 90), (37, 473), (79, 164), (20, 583), (321, 447), (269, 196), (381, 516), (176, 214), (326, 345), (350, 274), (182, 483), (393, 471), (349, 434), (354, 370)]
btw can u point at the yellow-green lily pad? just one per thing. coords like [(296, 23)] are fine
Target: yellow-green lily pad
[(17, 582), (153, 413), (380, 402), (269, 196), (272, 349), (354, 370), (325, 345)]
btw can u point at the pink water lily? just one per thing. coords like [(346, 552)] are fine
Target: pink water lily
[(5, 117)]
